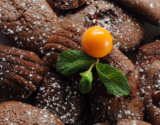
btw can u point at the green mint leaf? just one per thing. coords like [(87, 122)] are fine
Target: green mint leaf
[(70, 61), (87, 75), (84, 86), (114, 80)]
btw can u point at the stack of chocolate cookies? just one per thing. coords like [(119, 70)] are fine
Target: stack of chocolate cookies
[(40, 33)]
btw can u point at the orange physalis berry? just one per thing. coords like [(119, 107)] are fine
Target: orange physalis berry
[(96, 42)]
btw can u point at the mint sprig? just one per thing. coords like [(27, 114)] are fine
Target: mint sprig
[(70, 61)]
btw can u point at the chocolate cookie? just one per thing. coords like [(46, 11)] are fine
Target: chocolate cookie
[(61, 97), (148, 63), (126, 30), (126, 122), (27, 23), (18, 113), (67, 4), (145, 9), (20, 73)]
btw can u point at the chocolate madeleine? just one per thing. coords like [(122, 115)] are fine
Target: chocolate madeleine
[(126, 30), (18, 113), (60, 97), (145, 9), (149, 72), (20, 73), (27, 23), (67, 4), (71, 37), (126, 122)]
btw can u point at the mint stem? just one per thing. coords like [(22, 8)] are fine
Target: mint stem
[(95, 62)]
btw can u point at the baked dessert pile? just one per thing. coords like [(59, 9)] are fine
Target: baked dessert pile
[(40, 33)]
